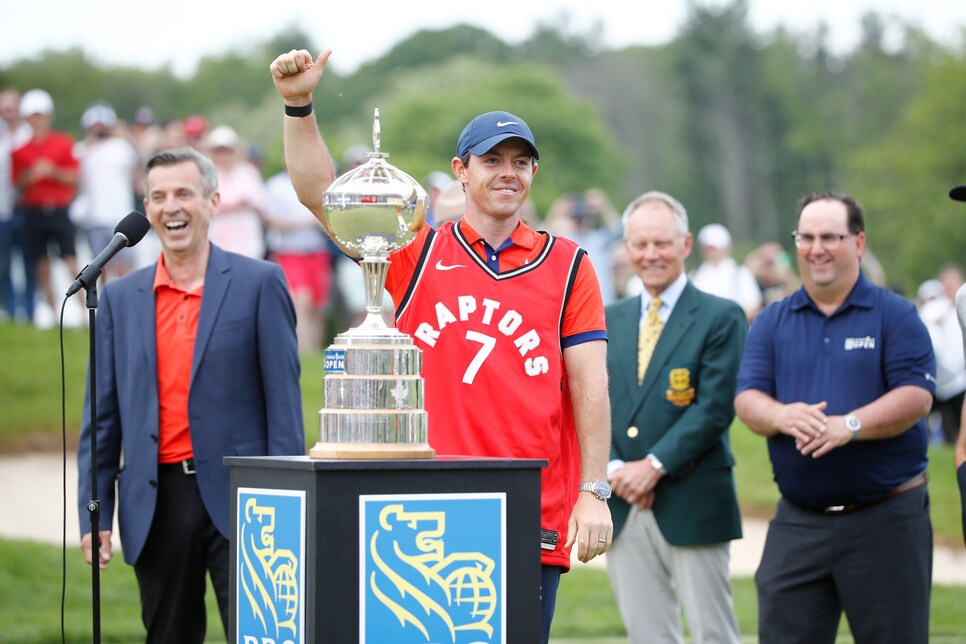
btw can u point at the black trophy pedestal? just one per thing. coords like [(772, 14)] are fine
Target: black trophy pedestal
[(442, 550)]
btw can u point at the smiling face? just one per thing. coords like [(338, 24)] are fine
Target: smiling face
[(178, 208), (656, 245), (498, 182), (822, 270)]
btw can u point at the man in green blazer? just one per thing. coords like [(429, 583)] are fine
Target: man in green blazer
[(674, 505)]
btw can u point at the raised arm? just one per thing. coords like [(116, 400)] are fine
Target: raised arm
[(307, 158)]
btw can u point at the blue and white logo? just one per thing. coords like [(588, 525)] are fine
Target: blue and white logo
[(432, 568), (334, 361), (269, 566)]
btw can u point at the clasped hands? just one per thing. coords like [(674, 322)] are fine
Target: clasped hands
[(635, 483), (815, 433)]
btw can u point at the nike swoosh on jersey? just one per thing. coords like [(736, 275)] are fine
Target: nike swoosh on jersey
[(440, 266)]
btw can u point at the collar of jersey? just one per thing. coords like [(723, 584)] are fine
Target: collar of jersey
[(522, 235)]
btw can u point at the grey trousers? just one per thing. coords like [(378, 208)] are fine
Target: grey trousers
[(650, 577)]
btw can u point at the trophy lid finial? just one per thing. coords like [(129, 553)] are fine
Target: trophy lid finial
[(376, 131)]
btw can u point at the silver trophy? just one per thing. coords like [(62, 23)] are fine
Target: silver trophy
[(373, 389)]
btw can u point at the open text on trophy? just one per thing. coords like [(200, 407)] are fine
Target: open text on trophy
[(373, 391)]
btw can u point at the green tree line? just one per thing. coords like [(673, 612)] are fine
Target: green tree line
[(736, 123)]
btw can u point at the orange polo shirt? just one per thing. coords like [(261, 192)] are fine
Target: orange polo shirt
[(176, 324)]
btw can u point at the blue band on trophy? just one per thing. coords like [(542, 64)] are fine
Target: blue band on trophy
[(334, 361)]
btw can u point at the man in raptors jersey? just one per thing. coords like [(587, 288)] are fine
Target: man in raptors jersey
[(510, 321)]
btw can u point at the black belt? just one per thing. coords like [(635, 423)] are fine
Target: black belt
[(916, 482), (186, 466)]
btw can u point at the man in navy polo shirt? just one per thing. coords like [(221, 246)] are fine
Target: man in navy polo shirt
[(838, 376)]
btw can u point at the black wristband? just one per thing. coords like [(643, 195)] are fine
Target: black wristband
[(298, 112)]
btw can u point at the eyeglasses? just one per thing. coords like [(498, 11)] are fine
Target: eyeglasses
[(829, 241)]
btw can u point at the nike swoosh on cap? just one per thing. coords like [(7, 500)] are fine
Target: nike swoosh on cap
[(505, 123), (440, 266)]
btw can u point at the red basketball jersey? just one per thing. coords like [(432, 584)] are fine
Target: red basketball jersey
[(493, 362)]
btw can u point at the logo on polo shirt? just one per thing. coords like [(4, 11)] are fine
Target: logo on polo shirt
[(868, 342)]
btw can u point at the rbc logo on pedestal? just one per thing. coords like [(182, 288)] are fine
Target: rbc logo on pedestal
[(269, 566), (432, 568)]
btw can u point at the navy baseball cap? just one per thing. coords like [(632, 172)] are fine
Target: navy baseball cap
[(484, 132)]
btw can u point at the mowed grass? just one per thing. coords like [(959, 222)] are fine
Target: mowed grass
[(30, 385), (30, 592), (30, 598)]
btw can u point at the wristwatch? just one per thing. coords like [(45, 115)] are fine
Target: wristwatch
[(601, 489), (854, 425)]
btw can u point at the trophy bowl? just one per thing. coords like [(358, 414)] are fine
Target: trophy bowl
[(372, 389), (373, 207)]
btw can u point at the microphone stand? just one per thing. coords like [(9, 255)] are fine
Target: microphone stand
[(94, 505)]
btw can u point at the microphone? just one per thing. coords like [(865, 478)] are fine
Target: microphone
[(128, 232)]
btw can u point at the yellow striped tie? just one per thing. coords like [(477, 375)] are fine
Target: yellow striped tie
[(651, 329)]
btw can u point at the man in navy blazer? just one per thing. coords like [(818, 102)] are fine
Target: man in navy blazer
[(196, 360)]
